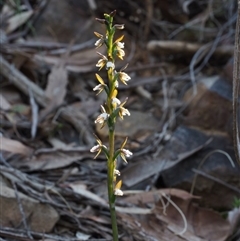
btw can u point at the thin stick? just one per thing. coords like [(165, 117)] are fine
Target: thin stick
[(204, 159), (34, 108), (199, 172), (180, 212), (24, 220)]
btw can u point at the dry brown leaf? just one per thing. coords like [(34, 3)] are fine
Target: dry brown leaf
[(56, 87), (76, 65), (80, 69), (143, 170), (57, 143), (50, 161), (80, 188), (17, 20), (90, 213), (41, 217), (202, 224), (146, 227), (134, 210), (14, 146), (152, 196)]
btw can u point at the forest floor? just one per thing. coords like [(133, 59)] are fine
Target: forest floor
[(182, 182)]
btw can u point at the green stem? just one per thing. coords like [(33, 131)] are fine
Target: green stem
[(111, 161), (111, 196)]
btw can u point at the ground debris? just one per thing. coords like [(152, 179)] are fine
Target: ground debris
[(180, 131)]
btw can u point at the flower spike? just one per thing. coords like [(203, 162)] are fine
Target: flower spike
[(114, 107)]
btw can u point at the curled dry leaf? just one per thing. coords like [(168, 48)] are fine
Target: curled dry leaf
[(17, 20)]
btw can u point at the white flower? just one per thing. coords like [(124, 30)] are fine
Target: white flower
[(120, 53), (116, 172), (102, 117), (98, 148), (124, 77), (99, 88), (99, 43), (117, 189), (123, 111), (101, 62), (118, 192), (116, 101), (126, 152), (120, 45), (95, 148), (116, 84), (110, 65)]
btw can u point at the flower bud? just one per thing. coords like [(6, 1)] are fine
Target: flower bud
[(113, 13), (119, 26), (102, 21)]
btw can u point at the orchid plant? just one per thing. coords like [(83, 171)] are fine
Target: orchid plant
[(112, 108)]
